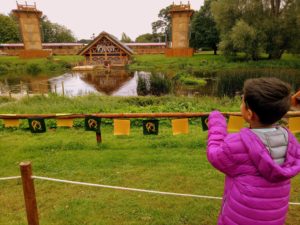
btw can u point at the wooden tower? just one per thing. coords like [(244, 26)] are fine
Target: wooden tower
[(180, 15), (29, 22)]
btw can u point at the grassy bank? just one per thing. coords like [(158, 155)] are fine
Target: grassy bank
[(207, 63), (163, 162), (94, 104), (14, 66)]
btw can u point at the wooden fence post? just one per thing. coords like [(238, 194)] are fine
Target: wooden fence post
[(98, 137), (63, 88), (29, 193)]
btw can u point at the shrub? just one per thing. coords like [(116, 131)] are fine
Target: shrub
[(142, 86), (3, 69), (33, 69), (159, 85)]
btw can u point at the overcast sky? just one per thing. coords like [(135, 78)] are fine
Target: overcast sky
[(85, 17)]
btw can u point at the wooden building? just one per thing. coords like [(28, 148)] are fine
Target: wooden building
[(14, 49), (147, 48), (106, 49)]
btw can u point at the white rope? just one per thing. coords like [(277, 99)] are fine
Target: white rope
[(10, 178), (294, 203), (125, 188), (134, 189)]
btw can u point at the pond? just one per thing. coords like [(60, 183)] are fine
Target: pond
[(112, 83), (123, 83)]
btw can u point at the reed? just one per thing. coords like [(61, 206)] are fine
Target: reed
[(230, 82)]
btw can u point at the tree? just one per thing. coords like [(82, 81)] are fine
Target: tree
[(162, 26), (146, 38), (125, 38), (275, 23), (244, 38), (9, 30), (204, 32), (55, 33)]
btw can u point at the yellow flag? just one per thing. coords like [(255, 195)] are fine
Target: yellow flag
[(294, 124), (64, 122), (11, 122), (121, 127), (235, 123), (180, 126)]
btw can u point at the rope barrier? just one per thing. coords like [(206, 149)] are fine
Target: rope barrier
[(134, 189), (10, 178)]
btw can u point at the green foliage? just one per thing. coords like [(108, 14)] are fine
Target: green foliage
[(142, 87), (9, 31), (273, 26), (156, 84), (160, 85), (125, 38), (244, 38), (146, 38), (33, 69), (162, 26), (3, 69), (187, 79), (206, 63), (204, 32), (53, 65), (107, 104), (51, 32), (55, 33), (231, 82)]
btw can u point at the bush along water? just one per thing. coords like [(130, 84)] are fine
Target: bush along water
[(231, 82), (188, 80), (33, 68), (155, 84)]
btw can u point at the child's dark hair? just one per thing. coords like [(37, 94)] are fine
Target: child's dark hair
[(269, 98)]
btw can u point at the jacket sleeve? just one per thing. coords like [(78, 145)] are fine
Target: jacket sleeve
[(218, 152)]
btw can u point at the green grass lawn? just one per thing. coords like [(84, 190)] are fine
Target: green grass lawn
[(207, 62), (163, 163), (14, 66)]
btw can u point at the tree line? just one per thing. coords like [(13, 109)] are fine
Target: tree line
[(51, 32), (251, 28)]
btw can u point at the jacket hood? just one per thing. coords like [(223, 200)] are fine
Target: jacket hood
[(264, 163)]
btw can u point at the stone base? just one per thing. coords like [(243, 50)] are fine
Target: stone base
[(27, 54), (179, 52)]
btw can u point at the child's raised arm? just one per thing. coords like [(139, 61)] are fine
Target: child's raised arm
[(218, 153)]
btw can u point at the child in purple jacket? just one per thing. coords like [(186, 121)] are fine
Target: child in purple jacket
[(258, 161)]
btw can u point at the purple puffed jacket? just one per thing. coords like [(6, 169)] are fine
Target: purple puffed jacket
[(256, 188)]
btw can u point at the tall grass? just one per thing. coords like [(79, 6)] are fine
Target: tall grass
[(229, 82), (156, 84)]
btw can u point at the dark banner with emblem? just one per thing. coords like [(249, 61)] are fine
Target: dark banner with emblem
[(92, 123), (37, 125), (150, 127), (204, 121)]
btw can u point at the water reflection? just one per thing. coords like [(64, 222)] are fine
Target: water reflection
[(113, 83)]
